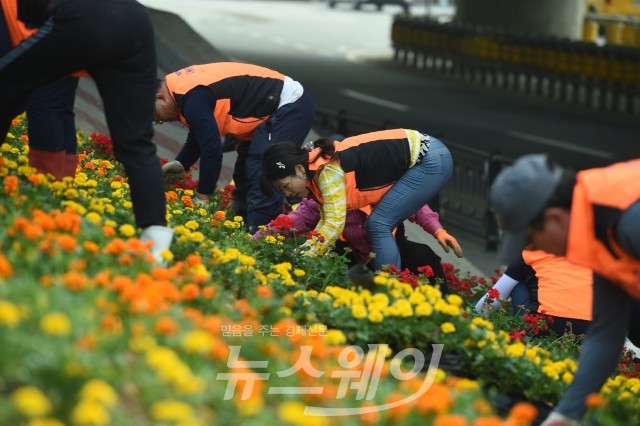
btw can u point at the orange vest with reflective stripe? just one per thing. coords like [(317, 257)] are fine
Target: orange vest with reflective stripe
[(599, 198), (17, 30), (564, 288), (246, 94), (364, 198)]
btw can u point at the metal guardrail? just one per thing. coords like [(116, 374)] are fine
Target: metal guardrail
[(616, 30), (600, 77), (464, 202)]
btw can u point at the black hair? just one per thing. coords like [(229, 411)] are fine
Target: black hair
[(280, 159), (561, 197)]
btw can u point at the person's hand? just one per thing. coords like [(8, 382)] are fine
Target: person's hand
[(557, 419), (172, 170), (446, 240)]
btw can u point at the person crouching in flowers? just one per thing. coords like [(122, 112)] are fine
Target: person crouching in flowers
[(389, 173)]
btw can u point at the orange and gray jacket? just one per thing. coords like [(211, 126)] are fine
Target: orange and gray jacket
[(246, 95), (372, 163), (599, 198)]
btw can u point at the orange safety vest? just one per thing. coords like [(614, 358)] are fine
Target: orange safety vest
[(564, 288), (18, 31), (247, 94), (599, 198), (358, 198)]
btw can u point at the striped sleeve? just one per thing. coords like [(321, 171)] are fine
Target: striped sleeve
[(333, 213)]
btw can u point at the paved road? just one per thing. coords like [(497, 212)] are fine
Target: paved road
[(343, 57)]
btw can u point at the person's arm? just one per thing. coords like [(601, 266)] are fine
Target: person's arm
[(430, 222), (628, 230), (303, 219), (197, 108), (333, 212), (190, 152), (516, 272)]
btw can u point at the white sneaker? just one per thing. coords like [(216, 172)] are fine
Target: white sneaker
[(161, 236)]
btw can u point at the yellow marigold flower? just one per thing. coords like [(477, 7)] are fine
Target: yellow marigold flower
[(166, 255), (270, 239), (416, 298), (567, 377), (249, 407), (116, 185), (292, 413), (9, 314), (109, 209), (335, 338), (192, 225), (454, 299), (299, 273), (238, 219), (111, 223), (45, 422), (30, 401), (71, 193), (196, 237), (93, 217), (376, 316), (448, 327), (55, 324), (380, 280), (99, 391), (142, 343), (424, 309), (358, 311), (90, 413), (515, 349), (198, 341), (169, 410), (127, 204), (127, 230), (177, 212), (202, 212), (246, 260)]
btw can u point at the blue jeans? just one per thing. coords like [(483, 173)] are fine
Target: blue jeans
[(417, 186)]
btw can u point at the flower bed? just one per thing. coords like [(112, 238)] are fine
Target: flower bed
[(235, 329)]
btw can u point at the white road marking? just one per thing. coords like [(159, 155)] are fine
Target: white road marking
[(374, 100), (560, 144)]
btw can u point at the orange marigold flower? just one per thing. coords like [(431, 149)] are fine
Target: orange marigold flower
[(91, 247), (6, 269), (108, 231), (35, 179), (371, 418), (102, 278), (400, 411), (125, 260), (220, 215), (75, 281), (115, 246), (219, 351), (46, 281), (488, 421), (89, 166), (66, 242), (193, 259), (190, 292), (523, 411), (187, 201), (78, 265), (166, 326), (450, 420), (86, 342), (595, 400), (111, 323), (264, 291), (208, 292), (11, 185), (171, 196)]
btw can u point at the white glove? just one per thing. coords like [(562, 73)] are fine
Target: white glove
[(557, 419), (161, 236)]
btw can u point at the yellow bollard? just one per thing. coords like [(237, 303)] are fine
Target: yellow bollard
[(590, 31), (613, 32)]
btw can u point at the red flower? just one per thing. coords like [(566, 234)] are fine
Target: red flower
[(493, 293), (427, 270), (281, 223)]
